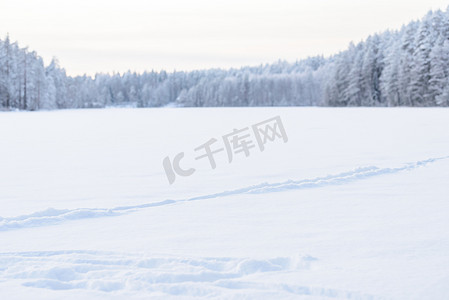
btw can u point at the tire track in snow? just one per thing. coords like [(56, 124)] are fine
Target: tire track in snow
[(53, 216)]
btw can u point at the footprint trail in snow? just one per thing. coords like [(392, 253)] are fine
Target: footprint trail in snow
[(53, 216)]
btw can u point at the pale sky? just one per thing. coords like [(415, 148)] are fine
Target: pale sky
[(89, 36)]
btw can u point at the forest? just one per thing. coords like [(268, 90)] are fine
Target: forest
[(406, 67)]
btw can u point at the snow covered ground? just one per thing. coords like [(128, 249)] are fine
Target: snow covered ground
[(354, 206)]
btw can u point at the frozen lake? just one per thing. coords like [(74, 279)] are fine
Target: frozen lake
[(349, 203)]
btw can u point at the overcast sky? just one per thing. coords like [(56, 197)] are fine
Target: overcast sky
[(89, 36)]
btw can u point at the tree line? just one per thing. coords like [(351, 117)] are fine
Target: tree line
[(406, 67)]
